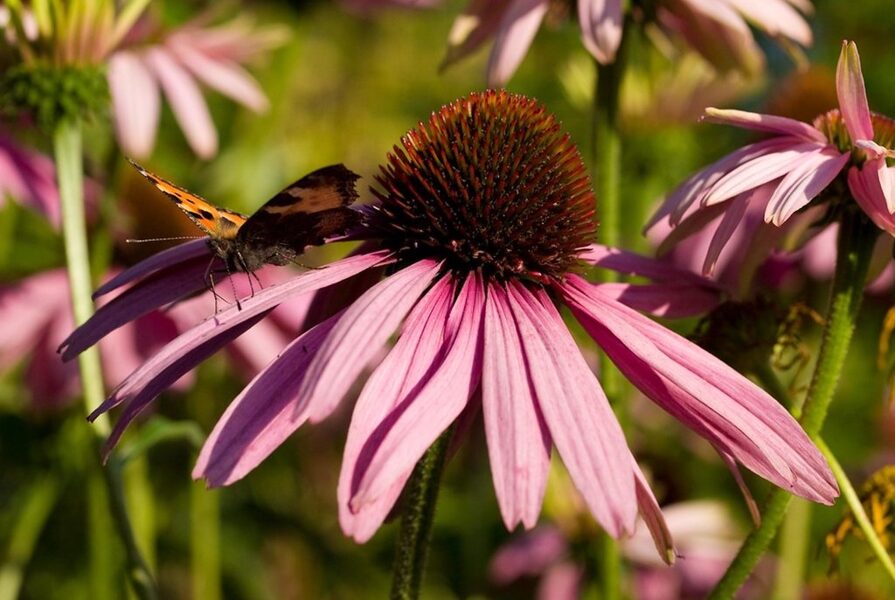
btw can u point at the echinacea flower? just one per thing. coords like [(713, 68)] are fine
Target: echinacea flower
[(29, 178), (717, 29), (797, 164), (142, 64), (483, 222)]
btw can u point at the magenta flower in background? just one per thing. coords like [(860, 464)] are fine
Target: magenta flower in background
[(28, 178), (484, 218), (783, 173), (717, 29)]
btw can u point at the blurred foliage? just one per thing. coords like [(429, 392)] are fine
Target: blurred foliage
[(344, 89)]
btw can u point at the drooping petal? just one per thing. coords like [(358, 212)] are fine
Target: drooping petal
[(165, 259), (360, 335), (154, 291), (777, 18), (186, 101), (406, 367), (765, 123), (631, 263), (672, 300), (601, 27), (260, 418), (193, 346), (432, 407), (136, 103), (694, 189), (865, 186), (584, 429), (517, 29), (811, 176), (653, 517), (705, 394), (518, 441), (225, 76), (736, 208), (478, 22), (761, 170), (852, 95)]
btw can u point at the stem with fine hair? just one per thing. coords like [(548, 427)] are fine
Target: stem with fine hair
[(67, 147), (607, 151), (421, 495), (853, 249)]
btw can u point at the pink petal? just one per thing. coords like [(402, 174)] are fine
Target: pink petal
[(810, 176), (158, 261), (777, 18), (432, 406), (758, 171), (518, 441), (672, 300), (392, 384), (136, 103), (527, 555), (562, 581), (601, 27), (852, 95), (692, 191), (632, 263), (517, 29), (653, 517), (705, 394), (865, 186), (359, 336), (201, 341), (584, 429), (186, 101), (693, 225), (225, 76), (478, 22), (260, 418), (765, 123), (736, 208)]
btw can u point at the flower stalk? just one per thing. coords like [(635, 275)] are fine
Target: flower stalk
[(854, 247), (421, 494), (67, 146)]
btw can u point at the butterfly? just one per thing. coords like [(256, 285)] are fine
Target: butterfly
[(306, 213)]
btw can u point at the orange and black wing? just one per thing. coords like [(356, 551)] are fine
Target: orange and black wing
[(216, 222), (304, 214)]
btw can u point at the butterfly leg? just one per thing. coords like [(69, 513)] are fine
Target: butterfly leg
[(209, 282), (250, 273)]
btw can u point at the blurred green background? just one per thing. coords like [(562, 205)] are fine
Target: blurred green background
[(344, 88)]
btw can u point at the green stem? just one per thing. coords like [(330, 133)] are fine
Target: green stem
[(607, 156), (205, 542), (67, 146), (857, 509), (797, 523), (29, 523), (421, 495), (854, 246)]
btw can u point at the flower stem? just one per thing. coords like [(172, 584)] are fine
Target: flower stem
[(607, 152), (857, 509), (854, 246), (421, 495), (67, 146)]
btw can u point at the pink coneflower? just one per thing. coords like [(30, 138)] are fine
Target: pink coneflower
[(483, 223), (783, 173), (28, 178), (717, 29)]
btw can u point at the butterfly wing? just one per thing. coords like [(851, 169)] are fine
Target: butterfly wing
[(304, 214), (219, 223)]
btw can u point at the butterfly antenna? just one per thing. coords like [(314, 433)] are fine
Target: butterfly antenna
[(164, 239)]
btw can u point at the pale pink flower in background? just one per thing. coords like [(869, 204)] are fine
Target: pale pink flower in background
[(783, 173), (28, 178), (541, 553), (145, 62), (40, 308), (479, 255), (717, 29), (193, 54)]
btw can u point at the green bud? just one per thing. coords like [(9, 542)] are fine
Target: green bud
[(50, 94)]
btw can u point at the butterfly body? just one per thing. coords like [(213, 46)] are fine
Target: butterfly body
[(304, 214)]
